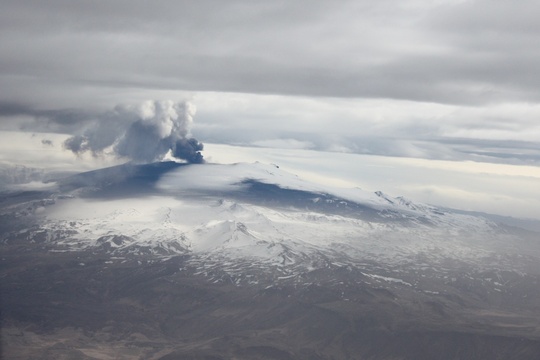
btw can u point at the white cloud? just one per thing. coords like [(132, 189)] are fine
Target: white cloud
[(283, 144)]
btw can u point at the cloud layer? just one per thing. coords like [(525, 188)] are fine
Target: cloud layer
[(445, 79)]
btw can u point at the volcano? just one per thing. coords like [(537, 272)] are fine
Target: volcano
[(247, 261)]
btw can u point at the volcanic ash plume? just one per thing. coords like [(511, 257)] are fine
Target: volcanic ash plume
[(143, 133)]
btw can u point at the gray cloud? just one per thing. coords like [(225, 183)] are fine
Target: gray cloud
[(451, 52), (13, 108)]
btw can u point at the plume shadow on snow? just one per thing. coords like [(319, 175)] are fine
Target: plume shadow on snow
[(272, 195), (123, 181)]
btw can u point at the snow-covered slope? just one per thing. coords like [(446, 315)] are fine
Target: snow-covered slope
[(267, 219)]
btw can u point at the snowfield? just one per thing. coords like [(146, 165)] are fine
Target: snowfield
[(203, 210)]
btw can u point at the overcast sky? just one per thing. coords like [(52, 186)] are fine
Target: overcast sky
[(440, 79)]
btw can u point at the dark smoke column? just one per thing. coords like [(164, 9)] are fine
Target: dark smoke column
[(189, 150), (143, 133)]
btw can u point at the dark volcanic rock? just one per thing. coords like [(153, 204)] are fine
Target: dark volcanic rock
[(139, 303)]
